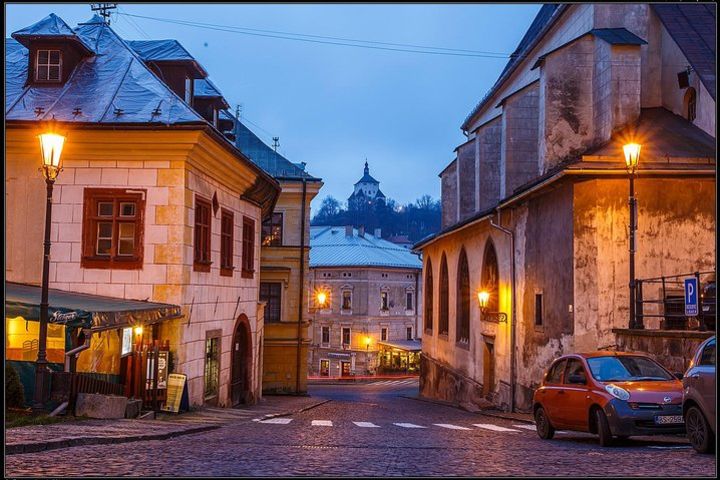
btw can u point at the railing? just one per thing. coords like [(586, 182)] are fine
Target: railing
[(663, 298), (65, 386)]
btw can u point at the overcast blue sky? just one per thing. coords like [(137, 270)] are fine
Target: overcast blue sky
[(332, 106)]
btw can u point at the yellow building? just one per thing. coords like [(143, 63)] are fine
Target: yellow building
[(284, 267)]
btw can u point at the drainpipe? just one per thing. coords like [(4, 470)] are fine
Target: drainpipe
[(75, 351), (513, 327), (417, 295), (301, 286)]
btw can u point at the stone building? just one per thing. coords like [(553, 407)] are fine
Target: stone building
[(284, 266), (373, 290), (535, 204), (154, 203), (366, 192)]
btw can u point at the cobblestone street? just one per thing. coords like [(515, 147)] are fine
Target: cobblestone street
[(371, 430)]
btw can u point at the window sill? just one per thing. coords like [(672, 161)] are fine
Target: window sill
[(227, 271), (345, 312), (384, 313), (248, 274), (201, 266), (463, 345), (135, 263)]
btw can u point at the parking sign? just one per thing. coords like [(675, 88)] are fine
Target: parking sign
[(691, 297)]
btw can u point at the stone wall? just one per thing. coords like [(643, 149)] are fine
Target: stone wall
[(449, 194), (466, 178), (520, 139), (440, 381), (489, 140), (673, 349)]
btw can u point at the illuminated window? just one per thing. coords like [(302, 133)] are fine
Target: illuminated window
[(272, 229), (21, 340)]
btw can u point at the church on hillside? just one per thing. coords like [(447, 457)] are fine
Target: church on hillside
[(367, 192)]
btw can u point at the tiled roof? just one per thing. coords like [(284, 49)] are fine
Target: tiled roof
[(205, 88), (330, 247), (693, 27), (49, 27), (166, 51)]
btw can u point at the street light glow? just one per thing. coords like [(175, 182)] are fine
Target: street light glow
[(632, 155), (321, 298), (138, 330), (483, 298), (51, 147)]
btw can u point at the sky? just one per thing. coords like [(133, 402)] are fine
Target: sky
[(333, 106)]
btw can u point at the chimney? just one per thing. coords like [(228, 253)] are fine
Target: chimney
[(377, 233), (361, 231), (348, 230)]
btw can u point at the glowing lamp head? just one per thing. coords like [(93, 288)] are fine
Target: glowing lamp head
[(483, 299), (368, 341), (632, 156), (51, 146), (322, 298), (138, 330)]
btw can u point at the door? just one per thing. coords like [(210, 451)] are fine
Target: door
[(324, 368), (488, 367), (572, 403), (549, 395), (241, 348), (345, 372), (704, 378)]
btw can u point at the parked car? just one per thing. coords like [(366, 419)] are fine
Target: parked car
[(611, 394), (699, 398), (708, 304)]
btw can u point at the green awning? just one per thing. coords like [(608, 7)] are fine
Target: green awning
[(83, 310)]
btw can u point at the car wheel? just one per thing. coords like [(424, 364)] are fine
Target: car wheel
[(698, 430), (603, 428), (542, 424)]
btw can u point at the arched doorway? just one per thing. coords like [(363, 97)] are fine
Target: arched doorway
[(490, 282), (241, 362)]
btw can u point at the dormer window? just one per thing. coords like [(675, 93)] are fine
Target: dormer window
[(48, 66)]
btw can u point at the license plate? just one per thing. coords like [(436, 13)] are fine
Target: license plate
[(669, 419)]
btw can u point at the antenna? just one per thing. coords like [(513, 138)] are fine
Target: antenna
[(276, 143), (104, 10), (238, 110)]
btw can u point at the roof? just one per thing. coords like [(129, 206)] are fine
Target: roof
[(693, 27), (407, 345), (83, 310), (367, 178), (50, 27), (263, 156), (112, 87), (203, 87), (330, 247), (166, 51)]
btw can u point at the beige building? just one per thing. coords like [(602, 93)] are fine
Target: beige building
[(369, 321), (153, 203), (535, 204)]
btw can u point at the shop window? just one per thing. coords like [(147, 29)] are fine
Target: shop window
[(248, 254), (271, 292), (227, 227), (212, 366), (428, 301), (203, 217), (444, 297), (325, 335), (21, 340), (324, 368), (113, 228), (48, 66), (272, 230)]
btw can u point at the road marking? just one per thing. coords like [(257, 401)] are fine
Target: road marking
[(450, 426), (366, 424), (408, 425), (678, 446), (494, 428), (280, 421), (527, 427), (322, 423)]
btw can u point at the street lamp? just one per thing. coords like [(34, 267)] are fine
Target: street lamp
[(51, 146), (483, 300), (632, 159), (368, 340)]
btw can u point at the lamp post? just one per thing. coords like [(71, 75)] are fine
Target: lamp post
[(632, 158), (51, 145)]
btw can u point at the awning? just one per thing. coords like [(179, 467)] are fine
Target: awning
[(405, 345), (83, 310)]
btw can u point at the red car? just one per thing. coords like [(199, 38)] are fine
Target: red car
[(611, 394)]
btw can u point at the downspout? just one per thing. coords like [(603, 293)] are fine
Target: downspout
[(513, 327), (417, 296), (301, 286)]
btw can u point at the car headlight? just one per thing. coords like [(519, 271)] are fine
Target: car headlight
[(617, 392)]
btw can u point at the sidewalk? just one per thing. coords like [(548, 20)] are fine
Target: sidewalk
[(94, 432)]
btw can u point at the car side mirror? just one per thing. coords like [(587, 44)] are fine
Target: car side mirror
[(678, 375), (577, 379)]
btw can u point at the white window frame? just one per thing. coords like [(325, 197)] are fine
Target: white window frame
[(48, 65)]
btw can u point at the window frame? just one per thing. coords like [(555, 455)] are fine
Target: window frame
[(384, 301), (408, 333), (539, 312), (227, 241), (48, 65), (92, 218), (384, 334), (202, 236), (462, 307), (323, 329), (270, 222), (342, 300), (428, 300), (270, 295), (409, 300), (248, 251), (444, 313), (342, 336), (210, 371)]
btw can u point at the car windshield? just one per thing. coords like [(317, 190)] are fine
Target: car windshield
[(626, 368)]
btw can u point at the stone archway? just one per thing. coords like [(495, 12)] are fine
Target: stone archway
[(241, 378)]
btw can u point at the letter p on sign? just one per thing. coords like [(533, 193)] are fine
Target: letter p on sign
[(691, 297)]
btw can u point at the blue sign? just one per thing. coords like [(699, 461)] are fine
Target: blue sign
[(691, 297)]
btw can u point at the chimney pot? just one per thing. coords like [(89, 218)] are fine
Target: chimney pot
[(377, 233), (348, 230), (361, 231)]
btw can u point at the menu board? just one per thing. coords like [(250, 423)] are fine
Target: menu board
[(127, 335), (175, 387)]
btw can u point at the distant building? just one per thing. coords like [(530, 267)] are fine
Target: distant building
[(370, 322), (402, 240), (366, 193)]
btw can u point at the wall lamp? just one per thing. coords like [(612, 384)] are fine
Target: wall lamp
[(484, 300)]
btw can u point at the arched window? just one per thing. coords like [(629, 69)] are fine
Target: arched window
[(444, 297), (690, 103), (463, 300), (490, 278), (428, 297)]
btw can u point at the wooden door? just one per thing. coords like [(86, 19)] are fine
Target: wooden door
[(241, 355), (488, 367)]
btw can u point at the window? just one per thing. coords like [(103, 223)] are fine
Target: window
[(346, 336), (538, 309), (248, 254), (428, 301), (202, 235), (383, 300), (346, 300), (383, 334), (325, 335), (271, 292), (463, 300), (490, 279), (227, 226), (444, 297), (48, 66), (408, 301), (272, 229), (212, 366), (574, 367), (408, 333), (555, 373), (708, 355), (113, 228), (690, 102), (626, 368), (324, 368)]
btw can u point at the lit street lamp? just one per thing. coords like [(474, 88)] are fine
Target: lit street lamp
[(632, 159), (483, 300), (51, 146)]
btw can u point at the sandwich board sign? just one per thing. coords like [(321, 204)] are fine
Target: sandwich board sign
[(691, 297), (175, 390)]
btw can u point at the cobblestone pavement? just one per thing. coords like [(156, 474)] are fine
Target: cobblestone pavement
[(373, 431)]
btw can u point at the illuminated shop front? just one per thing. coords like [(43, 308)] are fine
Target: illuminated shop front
[(399, 356)]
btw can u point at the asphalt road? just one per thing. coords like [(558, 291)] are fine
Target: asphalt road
[(373, 430)]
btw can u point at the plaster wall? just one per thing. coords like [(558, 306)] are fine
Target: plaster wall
[(520, 139), (449, 194), (489, 142), (466, 178)]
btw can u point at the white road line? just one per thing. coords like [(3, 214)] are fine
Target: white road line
[(527, 427), (408, 425), (322, 423), (494, 428), (450, 426), (366, 424), (280, 421), (678, 446)]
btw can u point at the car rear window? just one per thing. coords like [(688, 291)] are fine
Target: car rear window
[(627, 368)]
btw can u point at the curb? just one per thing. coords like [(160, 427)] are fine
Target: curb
[(55, 444), (506, 417)]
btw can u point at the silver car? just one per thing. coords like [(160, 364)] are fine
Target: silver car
[(699, 398)]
